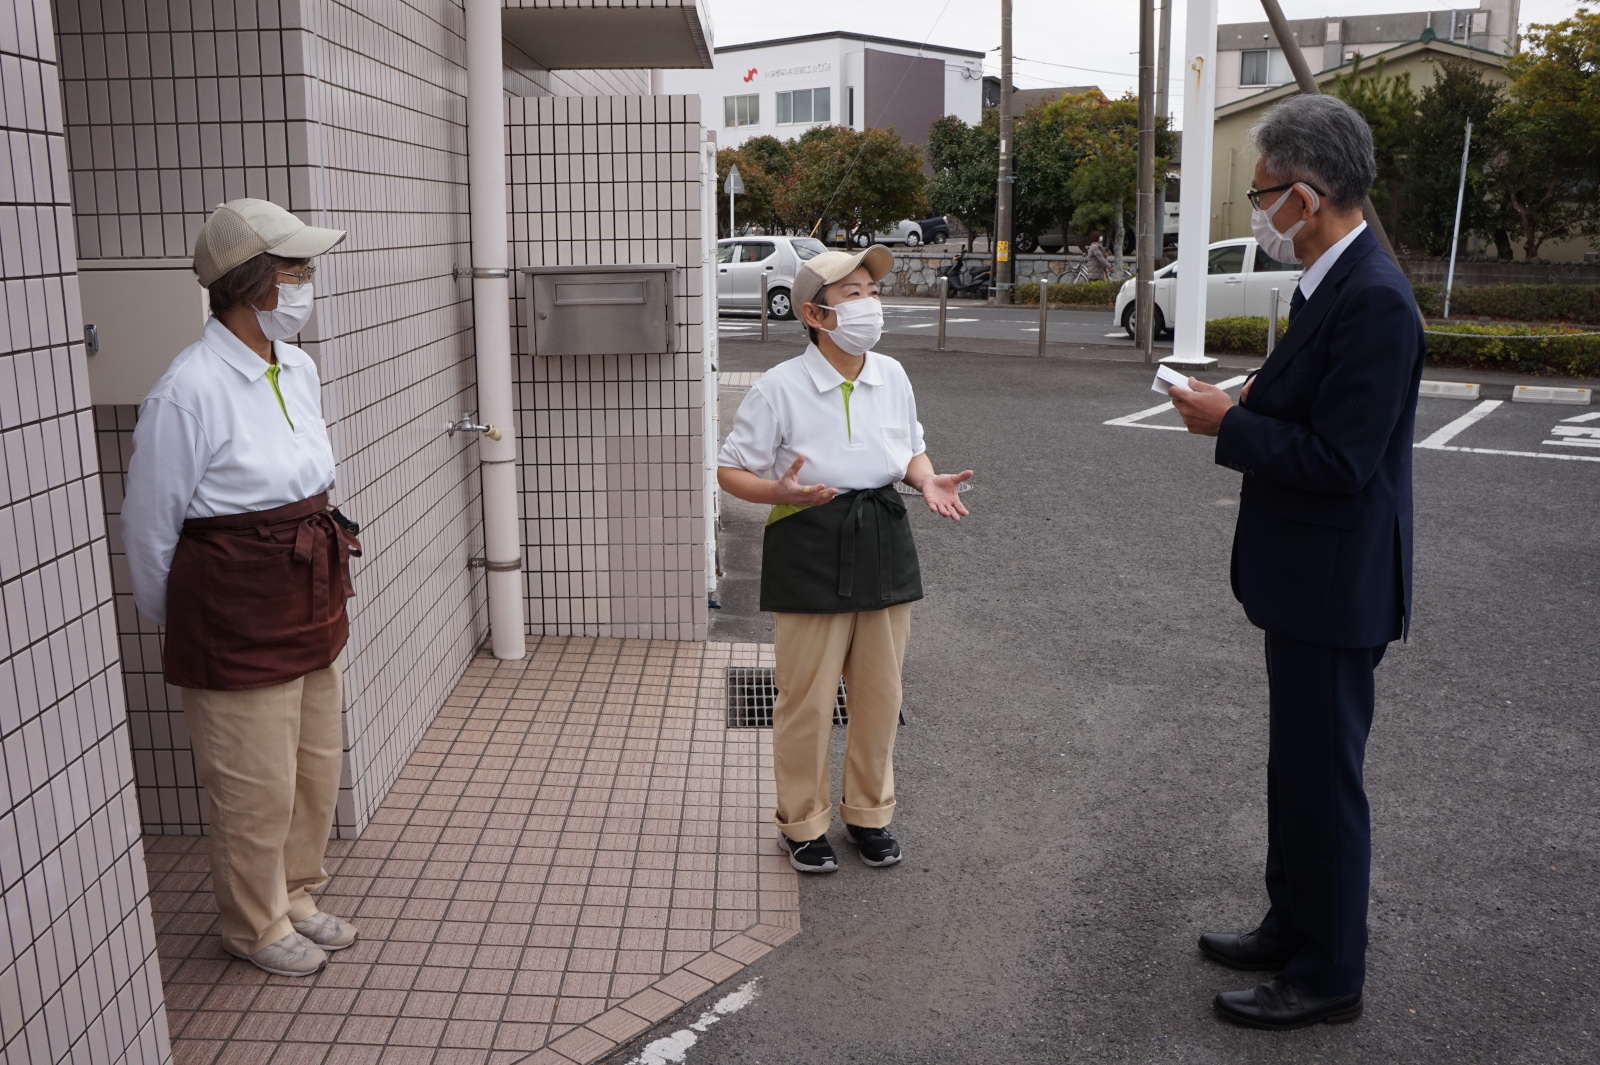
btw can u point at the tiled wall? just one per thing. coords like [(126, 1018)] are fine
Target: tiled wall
[(353, 117), (78, 975), (613, 499)]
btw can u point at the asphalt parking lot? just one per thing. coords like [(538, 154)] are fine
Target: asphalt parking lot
[(1081, 786)]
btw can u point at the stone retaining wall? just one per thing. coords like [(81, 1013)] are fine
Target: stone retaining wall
[(917, 273)]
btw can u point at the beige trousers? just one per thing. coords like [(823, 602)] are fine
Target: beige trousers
[(812, 651), (269, 760)]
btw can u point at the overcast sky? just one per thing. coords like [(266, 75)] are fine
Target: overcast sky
[(1056, 43)]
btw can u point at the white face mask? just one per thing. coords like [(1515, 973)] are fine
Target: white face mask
[(291, 314), (859, 327), (1280, 246)]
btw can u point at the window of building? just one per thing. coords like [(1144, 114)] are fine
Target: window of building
[(805, 106), (742, 110), (850, 106), (1252, 67), (1264, 66)]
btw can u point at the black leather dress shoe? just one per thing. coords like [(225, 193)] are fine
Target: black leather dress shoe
[(1250, 951), (1282, 1007)]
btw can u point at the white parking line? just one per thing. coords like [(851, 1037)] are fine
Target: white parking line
[(675, 1047), (1136, 421), (1440, 439), (1591, 416), (930, 325)]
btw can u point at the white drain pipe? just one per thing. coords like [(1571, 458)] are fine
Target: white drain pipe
[(491, 319)]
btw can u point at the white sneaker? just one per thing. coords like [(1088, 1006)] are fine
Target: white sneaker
[(293, 955), (327, 931)]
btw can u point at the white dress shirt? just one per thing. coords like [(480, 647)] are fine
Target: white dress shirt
[(798, 408), (212, 439), (1313, 275)]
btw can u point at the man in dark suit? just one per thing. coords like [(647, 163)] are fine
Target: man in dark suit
[(1322, 552)]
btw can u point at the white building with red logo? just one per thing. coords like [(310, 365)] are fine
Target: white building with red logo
[(783, 87)]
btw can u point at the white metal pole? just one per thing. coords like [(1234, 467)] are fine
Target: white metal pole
[(731, 233), (1455, 234), (708, 367), (491, 320), (1194, 216)]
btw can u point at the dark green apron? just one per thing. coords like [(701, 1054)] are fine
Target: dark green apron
[(854, 553)]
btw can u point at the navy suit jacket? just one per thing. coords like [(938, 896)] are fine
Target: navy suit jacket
[(1322, 551)]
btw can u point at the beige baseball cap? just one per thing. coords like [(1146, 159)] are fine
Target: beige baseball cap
[(239, 230), (830, 266)]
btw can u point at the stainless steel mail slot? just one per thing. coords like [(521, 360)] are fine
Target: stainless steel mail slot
[(602, 310)]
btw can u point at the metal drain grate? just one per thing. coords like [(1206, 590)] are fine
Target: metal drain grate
[(751, 693)]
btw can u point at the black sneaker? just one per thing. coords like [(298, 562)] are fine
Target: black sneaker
[(810, 856), (878, 848)]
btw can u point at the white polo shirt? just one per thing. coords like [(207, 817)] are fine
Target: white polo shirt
[(213, 438), (799, 408)]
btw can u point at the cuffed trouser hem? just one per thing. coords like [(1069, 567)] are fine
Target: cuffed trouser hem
[(809, 829), (872, 817), (812, 651)]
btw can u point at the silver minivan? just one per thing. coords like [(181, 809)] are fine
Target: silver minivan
[(742, 260)]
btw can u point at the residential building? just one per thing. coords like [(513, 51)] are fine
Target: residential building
[(129, 120), (785, 86), (1250, 58), (1022, 99)]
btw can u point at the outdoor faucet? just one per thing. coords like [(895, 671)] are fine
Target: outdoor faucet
[(467, 425)]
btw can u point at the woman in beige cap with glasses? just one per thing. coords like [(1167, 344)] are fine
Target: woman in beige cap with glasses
[(231, 544)]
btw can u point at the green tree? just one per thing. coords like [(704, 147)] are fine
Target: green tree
[(1049, 149), (1547, 168), (846, 177), (1104, 184), (1390, 106), (966, 166), (755, 204), (1458, 94)]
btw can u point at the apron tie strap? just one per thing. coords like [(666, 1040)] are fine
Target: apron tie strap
[(888, 501)]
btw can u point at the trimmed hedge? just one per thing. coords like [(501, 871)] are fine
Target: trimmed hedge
[(1081, 294), (1556, 351), (1579, 304), (1239, 336)]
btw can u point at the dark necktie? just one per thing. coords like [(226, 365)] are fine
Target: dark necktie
[(1296, 301)]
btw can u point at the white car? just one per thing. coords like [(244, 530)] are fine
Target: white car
[(1239, 281), (742, 260), (904, 232)]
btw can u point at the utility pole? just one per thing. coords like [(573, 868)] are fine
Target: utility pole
[(1163, 111), (1308, 84), (1007, 183), (1144, 248)]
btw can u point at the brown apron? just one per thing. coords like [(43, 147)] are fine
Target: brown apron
[(257, 599)]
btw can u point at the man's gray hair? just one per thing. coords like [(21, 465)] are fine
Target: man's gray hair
[(1320, 140)]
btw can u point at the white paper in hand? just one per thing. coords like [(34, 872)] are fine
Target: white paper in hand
[(1167, 379)]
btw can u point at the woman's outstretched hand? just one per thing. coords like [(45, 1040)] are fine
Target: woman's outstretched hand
[(940, 493), (790, 491)]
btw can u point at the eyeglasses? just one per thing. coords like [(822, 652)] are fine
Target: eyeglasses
[(1256, 194), (303, 277)]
